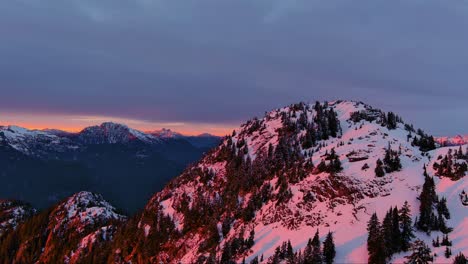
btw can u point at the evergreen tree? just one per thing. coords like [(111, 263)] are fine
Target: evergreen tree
[(446, 241), (442, 208), (427, 198), (308, 252), (406, 226), (396, 232), (375, 243), (421, 253), (254, 260), (316, 251), (387, 233), (436, 243), (250, 241), (329, 251), (448, 252), (391, 160), (290, 252), (391, 120), (379, 170), (460, 259)]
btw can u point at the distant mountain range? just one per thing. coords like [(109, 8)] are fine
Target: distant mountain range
[(203, 141), (457, 140), (124, 164)]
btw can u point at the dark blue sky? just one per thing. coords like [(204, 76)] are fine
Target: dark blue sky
[(204, 63)]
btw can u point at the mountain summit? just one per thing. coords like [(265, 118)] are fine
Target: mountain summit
[(112, 133), (299, 169)]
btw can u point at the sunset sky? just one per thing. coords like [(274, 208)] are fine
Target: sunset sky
[(159, 63)]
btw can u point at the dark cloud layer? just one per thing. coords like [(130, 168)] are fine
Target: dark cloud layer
[(223, 61)]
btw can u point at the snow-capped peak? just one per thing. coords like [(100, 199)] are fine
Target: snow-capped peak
[(165, 133), (277, 177), (457, 140), (13, 213), (84, 209), (112, 133)]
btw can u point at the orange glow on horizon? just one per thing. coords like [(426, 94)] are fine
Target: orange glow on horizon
[(78, 123)]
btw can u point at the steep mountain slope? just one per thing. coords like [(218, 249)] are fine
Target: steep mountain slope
[(45, 166), (63, 234), (12, 213), (299, 169)]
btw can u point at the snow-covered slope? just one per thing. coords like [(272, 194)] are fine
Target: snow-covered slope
[(64, 234), (34, 142), (13, 213), (82, 210), (276, 147)]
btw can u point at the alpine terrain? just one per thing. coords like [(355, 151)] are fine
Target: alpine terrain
[(327, 182)]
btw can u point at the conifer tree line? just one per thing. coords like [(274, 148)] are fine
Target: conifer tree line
[(388, 120), (391, 162), (425, 141), (421, 253), (453, 165), (330, 164), (429, 202), (315, 252), (391, 236), (460, 259), (237, 247), (323, 125)]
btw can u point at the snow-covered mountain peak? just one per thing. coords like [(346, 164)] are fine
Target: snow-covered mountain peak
[(298, 169), (309, 122), (67, 232), (33, 142), (165, 133), (84, 209), (111, 133), (457, 140), (13, 213), (14, 132)]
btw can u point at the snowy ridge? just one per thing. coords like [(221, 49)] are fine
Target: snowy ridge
[(48, 142), (13, 213), (113, 133), (165, 133), (457, 140), (82, 210), (33, 142), (85, 217), (341, 203)]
